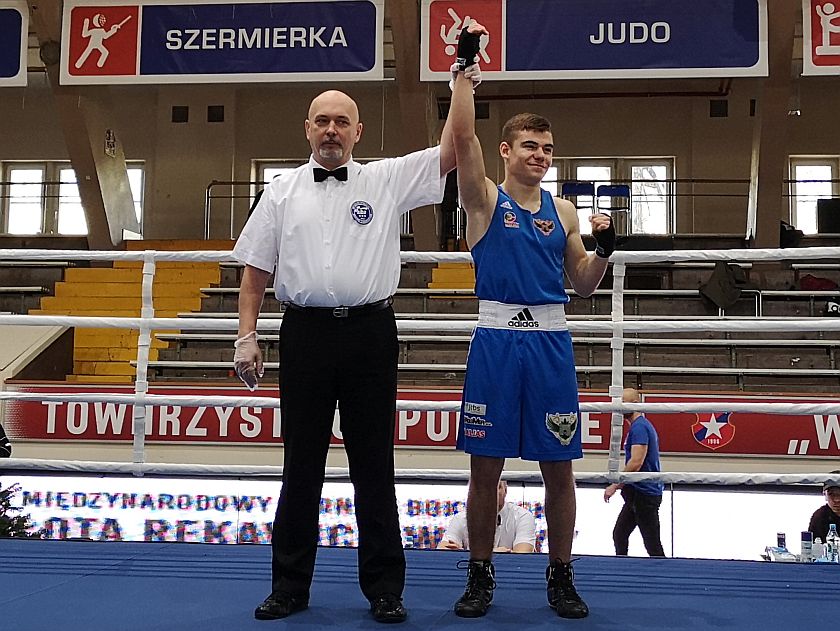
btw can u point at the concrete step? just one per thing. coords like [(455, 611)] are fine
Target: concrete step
[(165, 290), (455, 284), (117, 303), (93, 354), (203, 277), (453, 276), (104, 379), (183, 245), (450, 304), (103, 314), (111, 338), (169, 265), (103, 368)]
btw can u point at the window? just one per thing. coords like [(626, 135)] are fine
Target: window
[(650, 197), (263, 171), (550, 181), (136, 180), (71, 215), (593, 172), (43, 198), (24, 199), (811, 178), (652, 205)]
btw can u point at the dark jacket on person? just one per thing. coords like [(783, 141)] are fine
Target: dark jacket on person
[(820, 521)]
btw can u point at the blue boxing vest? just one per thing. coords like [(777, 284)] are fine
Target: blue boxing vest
[(519, 260)]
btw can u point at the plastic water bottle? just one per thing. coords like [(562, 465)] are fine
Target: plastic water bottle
[(832, 540), (818, 550)]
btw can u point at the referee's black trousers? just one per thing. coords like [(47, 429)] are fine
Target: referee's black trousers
[(352, 361)]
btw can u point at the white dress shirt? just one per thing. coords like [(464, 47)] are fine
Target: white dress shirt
[(514, 525), (335, 243)]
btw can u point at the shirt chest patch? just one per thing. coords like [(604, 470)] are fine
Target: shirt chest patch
[(361, 212), (510, 220), (546, 226)]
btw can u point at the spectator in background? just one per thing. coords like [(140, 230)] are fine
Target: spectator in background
[(828, 514), (515, 528), (5, 445), (641, 499)]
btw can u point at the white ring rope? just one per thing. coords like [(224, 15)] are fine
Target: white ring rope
[(619, 256), (197, 256), (789, 409), (780, 254), (780, 325), (447, 475), (618, 326)]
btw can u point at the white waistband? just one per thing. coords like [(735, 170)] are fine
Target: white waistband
[(498, 315)]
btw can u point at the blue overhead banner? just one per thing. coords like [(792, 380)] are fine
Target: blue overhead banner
[(607, 39), (14, 31), (215, 41)]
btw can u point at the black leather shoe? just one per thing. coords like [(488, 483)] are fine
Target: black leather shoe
[(280, 605), (479, 592), (561, 592), (388, 608)]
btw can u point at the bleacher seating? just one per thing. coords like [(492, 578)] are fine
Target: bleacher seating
[(798, 361), (21, 299), (749, 361), (24, 283)]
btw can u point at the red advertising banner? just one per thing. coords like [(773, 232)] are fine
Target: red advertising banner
[(722, 432), (744, 433), (97, 421)]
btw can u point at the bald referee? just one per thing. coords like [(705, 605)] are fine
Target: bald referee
[(329, 231)]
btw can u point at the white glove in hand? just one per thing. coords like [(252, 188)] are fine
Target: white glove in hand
[(247, 360), (473, 73)]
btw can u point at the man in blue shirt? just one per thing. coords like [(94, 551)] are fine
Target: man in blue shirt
[(641, 499)]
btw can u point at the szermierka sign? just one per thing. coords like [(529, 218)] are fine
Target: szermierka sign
[(608, 39), (820, 37), (14, 30), (219, 41)]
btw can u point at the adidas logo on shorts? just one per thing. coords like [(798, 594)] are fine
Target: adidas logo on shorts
[(524, 320)]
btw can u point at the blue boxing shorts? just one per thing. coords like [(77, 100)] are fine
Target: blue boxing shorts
[(520, 391)]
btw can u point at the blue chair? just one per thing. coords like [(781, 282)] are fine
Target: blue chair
[(574, 190), (614, 200), (618, 196)]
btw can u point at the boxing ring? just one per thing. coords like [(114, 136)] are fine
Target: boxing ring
[(100, 581)]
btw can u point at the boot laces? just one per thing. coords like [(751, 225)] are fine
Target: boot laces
[(480, 578), (561, 577)]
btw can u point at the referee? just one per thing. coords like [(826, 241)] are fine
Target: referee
[(329, 231)]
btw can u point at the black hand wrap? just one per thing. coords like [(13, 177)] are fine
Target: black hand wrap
[(468, 46), (605, 241)]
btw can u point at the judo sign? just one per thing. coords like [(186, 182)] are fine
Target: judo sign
[(443, 21), (821, 37), (715, 432)]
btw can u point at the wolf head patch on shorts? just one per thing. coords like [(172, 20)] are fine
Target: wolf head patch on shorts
[(562, 426)]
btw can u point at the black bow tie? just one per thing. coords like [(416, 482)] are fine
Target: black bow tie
[(321, 175)]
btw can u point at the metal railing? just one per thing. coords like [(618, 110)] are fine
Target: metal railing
[(650, 201)]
